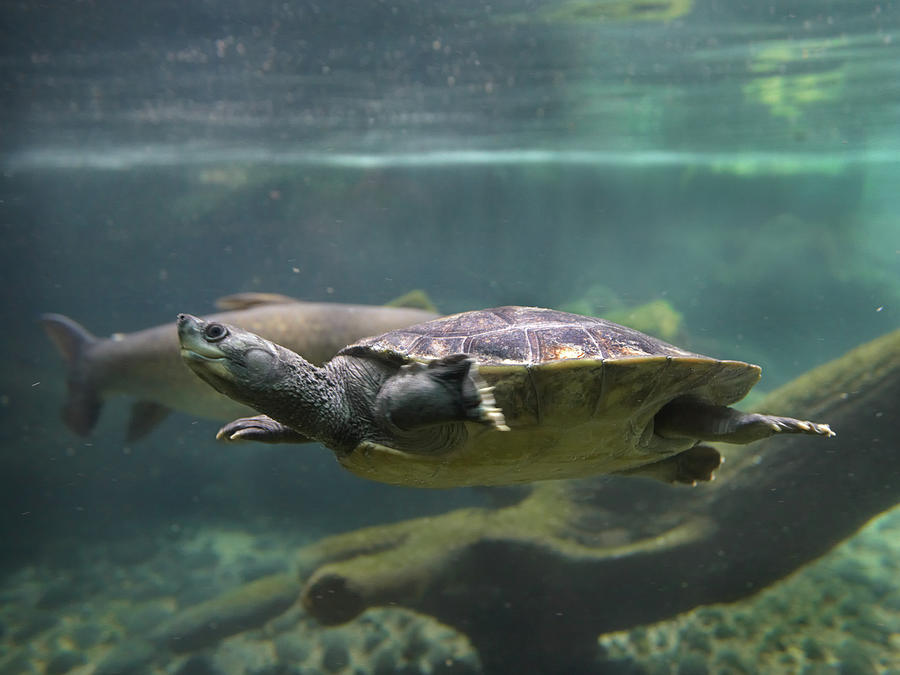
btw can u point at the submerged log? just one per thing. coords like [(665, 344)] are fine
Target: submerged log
[(535, 583)]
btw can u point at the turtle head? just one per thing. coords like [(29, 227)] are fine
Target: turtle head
[(234, 362)]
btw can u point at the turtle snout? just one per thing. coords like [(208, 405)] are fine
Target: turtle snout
[(187, 323), (197, 338), (188, 326)]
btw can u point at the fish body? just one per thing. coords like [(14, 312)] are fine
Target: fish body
[(147, 364)]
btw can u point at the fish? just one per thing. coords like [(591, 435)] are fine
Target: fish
[(147, 364)]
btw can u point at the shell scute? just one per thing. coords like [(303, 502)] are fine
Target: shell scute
[(523, 335)]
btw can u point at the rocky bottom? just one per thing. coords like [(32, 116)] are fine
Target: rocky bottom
[(162, 603), (839, 615), (122, 609)]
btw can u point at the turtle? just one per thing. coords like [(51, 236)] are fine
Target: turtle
[(491, 397)]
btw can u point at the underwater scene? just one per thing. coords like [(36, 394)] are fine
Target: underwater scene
[(407, 336)]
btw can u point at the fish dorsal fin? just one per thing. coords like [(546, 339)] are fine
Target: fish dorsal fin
[(415, 299), (247, 300)]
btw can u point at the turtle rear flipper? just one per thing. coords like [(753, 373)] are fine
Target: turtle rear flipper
[(694, 465), (692, 418)]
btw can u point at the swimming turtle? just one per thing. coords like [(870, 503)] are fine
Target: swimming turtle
[(490, 397)]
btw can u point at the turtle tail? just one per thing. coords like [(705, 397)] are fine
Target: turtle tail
[(82, 408)]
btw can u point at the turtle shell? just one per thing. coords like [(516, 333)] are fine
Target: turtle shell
[(579, 394), (517, 335)]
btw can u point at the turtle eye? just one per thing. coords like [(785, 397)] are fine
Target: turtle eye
[(215, 332)]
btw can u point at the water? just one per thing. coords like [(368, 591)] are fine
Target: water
[(735, 160)]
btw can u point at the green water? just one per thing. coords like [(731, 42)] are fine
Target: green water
[(738, 161)]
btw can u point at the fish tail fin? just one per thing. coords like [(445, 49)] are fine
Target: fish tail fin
[(82, 408)]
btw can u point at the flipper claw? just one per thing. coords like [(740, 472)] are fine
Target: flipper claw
[(260, 428), (489, 412), (790, 425)]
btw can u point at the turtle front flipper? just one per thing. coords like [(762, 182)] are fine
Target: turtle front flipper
[(445, 390), (261, 428), (692, 418)]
